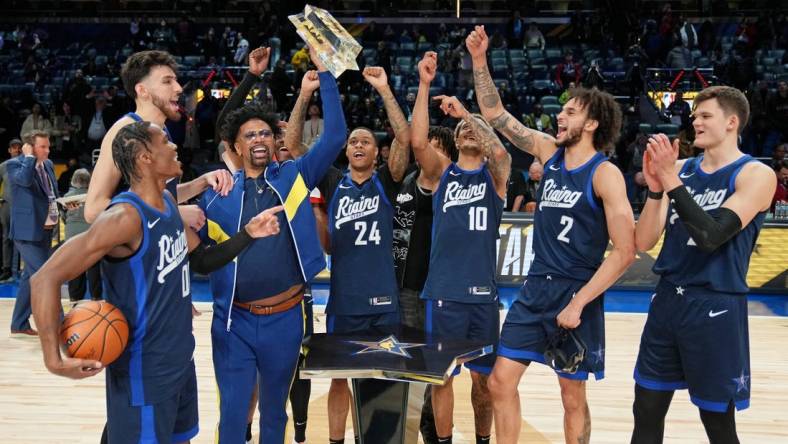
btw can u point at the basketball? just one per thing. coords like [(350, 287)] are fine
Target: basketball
[(95, 330)]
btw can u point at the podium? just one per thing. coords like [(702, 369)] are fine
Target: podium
[(382, 364)]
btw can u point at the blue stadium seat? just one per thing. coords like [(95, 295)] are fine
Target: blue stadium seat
[(549, 100), (645, 128), (535, 53), (551, 109), (668, 128)]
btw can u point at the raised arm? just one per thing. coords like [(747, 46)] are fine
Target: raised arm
[(400, 152), (295, 125), (539, 144), (499, 161), (119, 227), (432, 164), (258, 63), (651, 222), (608, 184), (315, 162), (21, 173)]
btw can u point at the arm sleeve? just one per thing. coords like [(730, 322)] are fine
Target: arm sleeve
[(205, 260), (708, 230), (236, 100), (315, 162)]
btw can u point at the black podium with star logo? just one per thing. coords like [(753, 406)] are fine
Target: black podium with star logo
[(382, 365)]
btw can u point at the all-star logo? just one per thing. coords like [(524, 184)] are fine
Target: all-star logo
[(386, 345)]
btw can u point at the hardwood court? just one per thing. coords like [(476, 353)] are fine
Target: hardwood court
[(37, 407)]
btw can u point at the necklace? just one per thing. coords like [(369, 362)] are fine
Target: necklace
[(260, 189)]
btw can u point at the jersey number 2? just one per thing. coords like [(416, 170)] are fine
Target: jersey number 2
[(568, 221), (374, 233)]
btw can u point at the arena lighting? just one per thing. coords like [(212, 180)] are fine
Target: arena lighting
[(458, 8), (683, 72)]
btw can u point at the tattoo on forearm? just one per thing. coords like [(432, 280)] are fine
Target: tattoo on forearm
[(398, 160), (520, 135), (485, 88), (489, 143), (500, 121), (396, 117), (295, 126)]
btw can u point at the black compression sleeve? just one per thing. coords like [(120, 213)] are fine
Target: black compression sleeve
[(709, 231), (236, 100), (205, 260)]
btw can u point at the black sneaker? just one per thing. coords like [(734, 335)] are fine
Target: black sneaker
[(249, 433), (6, 275)]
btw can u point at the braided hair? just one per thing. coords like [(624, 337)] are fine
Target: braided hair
[(128, 143)]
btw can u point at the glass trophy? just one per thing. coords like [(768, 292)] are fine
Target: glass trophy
[(335, 47)]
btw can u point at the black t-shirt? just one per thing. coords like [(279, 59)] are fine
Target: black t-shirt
[(515, 187)]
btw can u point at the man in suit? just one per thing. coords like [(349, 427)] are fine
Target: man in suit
[(33, 217)]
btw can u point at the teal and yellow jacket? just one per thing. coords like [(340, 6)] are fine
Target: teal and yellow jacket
[(292, 181)]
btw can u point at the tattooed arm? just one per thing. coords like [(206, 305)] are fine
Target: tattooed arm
[(400, 152), (539, 144), (499, 161), (432, 164), (295, 125)]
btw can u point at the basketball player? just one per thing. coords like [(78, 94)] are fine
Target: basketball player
[(711, 209), (258, 318), (151, 388), (462, 298), (149, 77), (582, 203)]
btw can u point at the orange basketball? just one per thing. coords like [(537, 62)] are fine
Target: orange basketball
[(95, 330)]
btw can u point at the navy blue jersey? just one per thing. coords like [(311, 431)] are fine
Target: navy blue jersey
[(362, 265), (151, 288), (466, 215), (681, 262), (570, 230)]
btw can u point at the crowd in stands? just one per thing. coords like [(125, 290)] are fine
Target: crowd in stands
[(64, 79)]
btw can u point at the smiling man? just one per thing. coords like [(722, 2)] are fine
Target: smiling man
[(711, 209), (258, 316), (581, 204), (150, 78)]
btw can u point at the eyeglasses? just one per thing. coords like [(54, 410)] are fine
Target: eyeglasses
[(263, 133)]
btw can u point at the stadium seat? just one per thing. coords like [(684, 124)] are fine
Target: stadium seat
[(549, 100), (551, 109), (669, 129), (498, 54)]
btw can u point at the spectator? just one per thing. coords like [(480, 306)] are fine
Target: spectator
[(778, 109), (384, 56), (778, 156), (679, 57), (76, 224), (313, 127), (534, 39), (568, 71), (538, 120), (535, 172), (689, 38), (516, 191), (34, 216), (67, 131), (9, 121), (64, 181), (242, 50), (594, 77), (10, 255), (639, 193), (565, 96), (96, 124), (680, 111), (515, 30), (36, 121)]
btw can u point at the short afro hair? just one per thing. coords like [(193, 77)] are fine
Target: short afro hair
[(236, 119)]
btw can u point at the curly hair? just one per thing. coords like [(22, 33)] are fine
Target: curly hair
[(127, 144), (603, 108), (445, 137), (236, 119), (140, 64)]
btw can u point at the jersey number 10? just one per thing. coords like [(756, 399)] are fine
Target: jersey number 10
[(477, 218)]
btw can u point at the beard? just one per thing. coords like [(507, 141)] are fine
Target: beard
[(572, 137), (164, 106)]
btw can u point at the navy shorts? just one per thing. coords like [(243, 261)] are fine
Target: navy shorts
[(172, 420), (697, 339), (531, 322), (457, 320), (342, 324)]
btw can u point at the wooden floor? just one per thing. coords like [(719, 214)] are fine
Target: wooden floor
[(37, 407)]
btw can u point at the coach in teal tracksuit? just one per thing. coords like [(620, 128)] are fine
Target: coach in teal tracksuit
[(258, 315)]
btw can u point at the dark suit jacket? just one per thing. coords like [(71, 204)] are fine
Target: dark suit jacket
[(30, 202)]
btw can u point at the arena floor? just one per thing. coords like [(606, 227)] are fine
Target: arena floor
[(37, 407)]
